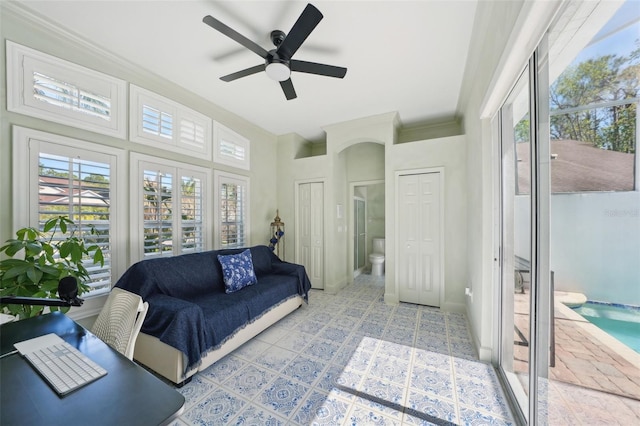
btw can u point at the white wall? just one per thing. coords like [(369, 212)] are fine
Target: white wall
[(595, 243), (290, 171), (503, 38), (449, 153), (347, 145)]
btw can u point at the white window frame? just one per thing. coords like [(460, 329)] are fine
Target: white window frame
[(22, 62), (26, 150), (138, 164), (222, 134), (140, 97), (219, 178)]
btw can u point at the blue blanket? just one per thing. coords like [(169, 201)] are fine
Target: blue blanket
[(188, 307)]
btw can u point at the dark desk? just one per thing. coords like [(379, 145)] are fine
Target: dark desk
[(127, 395)]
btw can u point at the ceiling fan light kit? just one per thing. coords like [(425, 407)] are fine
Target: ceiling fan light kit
[(278, 62), (278, 71)]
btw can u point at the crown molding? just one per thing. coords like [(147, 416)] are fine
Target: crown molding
[(38, 22)]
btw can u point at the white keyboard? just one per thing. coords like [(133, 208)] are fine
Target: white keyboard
[(63, 366)]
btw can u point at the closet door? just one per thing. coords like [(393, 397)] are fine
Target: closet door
[(419, 241), (311, 231)]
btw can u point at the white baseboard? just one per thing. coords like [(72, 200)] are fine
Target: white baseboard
[(391, 299), (454, 307)]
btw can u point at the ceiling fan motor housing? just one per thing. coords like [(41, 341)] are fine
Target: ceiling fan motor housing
[(277, 37)]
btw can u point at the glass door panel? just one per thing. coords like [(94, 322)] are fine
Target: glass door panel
[(594, 236), (515, 235), (360, 234)]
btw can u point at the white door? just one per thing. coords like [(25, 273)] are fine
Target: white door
[(419, 242), (311, 231)]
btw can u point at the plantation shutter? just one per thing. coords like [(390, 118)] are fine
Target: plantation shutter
[(232, 213), (232, 150), (68, 96), (191, 219), (157, 213), (192, 134), (160, 122), (157, 122), (80, 189)]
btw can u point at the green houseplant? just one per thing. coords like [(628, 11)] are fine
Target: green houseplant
[(37, 260)]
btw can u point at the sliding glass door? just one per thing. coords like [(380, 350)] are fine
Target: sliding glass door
[(516, 251), (569, 172), (525, 325)]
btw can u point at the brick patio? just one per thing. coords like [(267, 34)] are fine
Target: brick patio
[(588, 362)]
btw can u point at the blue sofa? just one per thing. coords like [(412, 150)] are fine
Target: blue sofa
[(192, 322)]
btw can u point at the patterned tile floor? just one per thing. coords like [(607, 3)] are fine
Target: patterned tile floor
[(350, 359)]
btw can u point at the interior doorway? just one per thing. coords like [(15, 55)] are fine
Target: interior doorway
[(372, 194)]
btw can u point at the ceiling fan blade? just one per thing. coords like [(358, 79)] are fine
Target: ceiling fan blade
[(243, 73), (287, 88), (308, 20), (320, 69), (234, 35)]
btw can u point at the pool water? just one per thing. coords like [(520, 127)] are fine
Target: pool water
[(622, 322)]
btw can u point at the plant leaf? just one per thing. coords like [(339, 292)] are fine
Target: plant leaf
[(34, 274), (14, 247), (15, 271), (33, 248), (65, 249), (76, 253), (98, 257), (50, 224)]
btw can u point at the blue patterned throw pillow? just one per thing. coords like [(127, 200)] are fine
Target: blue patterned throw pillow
[(237, 270)]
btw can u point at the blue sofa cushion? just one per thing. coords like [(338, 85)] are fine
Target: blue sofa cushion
[(237, 271)]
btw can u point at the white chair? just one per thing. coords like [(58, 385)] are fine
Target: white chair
[(120, 320)]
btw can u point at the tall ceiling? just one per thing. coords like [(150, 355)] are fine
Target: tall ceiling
[(404, 56)]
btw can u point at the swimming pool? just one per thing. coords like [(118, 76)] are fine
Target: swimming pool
[(620, 321)]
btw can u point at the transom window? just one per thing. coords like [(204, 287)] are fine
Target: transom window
[(231, 148), (43, 86), (163, 123)]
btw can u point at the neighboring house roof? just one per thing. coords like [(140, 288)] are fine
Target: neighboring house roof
[(578, 166), (55, 190)]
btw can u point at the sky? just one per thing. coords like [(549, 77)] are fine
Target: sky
[(619, 36)]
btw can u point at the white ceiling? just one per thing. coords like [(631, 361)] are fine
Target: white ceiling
[(405, 56)]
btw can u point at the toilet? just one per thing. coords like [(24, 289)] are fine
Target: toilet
[(377, 257)]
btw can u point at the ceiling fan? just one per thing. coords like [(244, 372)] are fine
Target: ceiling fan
[(278, 62)]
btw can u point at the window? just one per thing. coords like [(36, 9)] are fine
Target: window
[(43, 86), (171, 207), (163, 123), (593, 101), (231, 148), (74, 178), (231, 209)]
